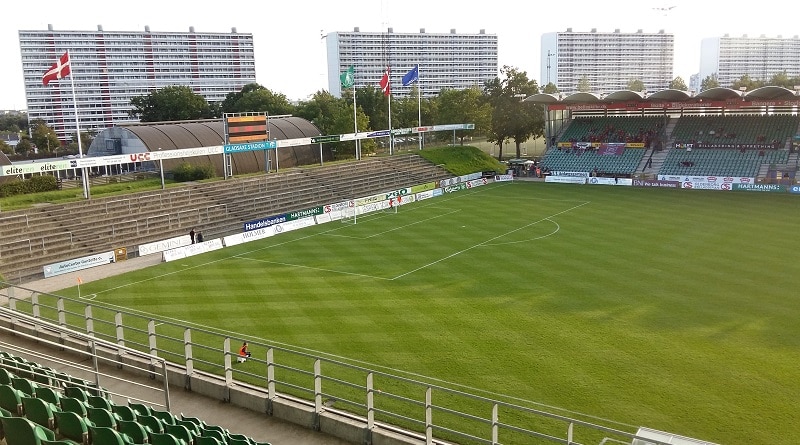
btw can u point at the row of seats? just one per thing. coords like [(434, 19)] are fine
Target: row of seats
[(727, 162), (69, 411), (748, 129), (588, 160)]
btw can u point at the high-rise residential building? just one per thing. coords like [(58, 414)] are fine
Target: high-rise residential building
[(446, 60), (109, 68), (605, 62), (759, 58)]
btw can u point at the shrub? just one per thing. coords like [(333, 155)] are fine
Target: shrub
[(187, 172), (35, 184)]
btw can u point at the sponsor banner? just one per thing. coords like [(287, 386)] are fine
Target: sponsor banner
[(288, 226), (398, 193), (324, 218), (503, 178), (250, 146), (611, 149), (192, 250), (370, 199), (338, 206), (35, 167), (610, 181), (372, 207), (454, 188), (471, 176), (794, 189), (160, 246), (760, 187), (81, 263), (575, 174), (293, 142), (424, 195), (246, 237), (476, 182), (707, 185), (710, 179), (423, 187), (656, 183), (291, 216), (449, 181), (565, 179), (403, 200), (264, 222), (184, 153), (438, 192)]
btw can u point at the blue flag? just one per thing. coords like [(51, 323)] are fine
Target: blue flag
[(411, 76)]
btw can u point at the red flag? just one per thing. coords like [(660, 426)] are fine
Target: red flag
[(80, 281), (59, 70), (385, 87)]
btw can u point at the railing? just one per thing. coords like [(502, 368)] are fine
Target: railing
[(86, 348), (426, 410)]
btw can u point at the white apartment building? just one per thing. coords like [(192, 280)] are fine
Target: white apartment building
[(109, 68), (760, 58), (607, 60), (446, 60)]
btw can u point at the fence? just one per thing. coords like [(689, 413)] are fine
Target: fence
[(430, 411)]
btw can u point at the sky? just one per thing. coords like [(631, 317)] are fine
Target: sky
[(290, 52)]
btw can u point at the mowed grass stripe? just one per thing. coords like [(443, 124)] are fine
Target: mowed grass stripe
[(666, 308)]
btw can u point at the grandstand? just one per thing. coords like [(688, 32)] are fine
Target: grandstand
[(719, 132), (33, 238)]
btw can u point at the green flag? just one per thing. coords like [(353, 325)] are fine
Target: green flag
[(348, 77)]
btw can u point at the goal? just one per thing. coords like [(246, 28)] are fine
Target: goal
[(349, 214)]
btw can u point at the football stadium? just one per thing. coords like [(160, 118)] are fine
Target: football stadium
[(634, 285)]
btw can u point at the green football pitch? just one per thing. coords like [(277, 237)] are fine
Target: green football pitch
[(671, 309)]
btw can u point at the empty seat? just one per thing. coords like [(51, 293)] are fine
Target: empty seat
[(11, 399), (140, 408), (21, 431), (74, 405), (101, 417), (76, 393), (165, 439), (151, 422), (72, 426), (49, 395), (164, 416), (207, 440), (135, 430), (100, 402), (39, 411), (26, 386), (101, 435), (181, 432), (123, 412)]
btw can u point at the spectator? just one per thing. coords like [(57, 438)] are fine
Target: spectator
[(244, 353), (199, 236), (191, 235)]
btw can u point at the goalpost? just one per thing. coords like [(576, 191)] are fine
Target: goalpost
[(350, 214)]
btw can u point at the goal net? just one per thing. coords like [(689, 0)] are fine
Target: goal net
[(349, 214), (392, 206)]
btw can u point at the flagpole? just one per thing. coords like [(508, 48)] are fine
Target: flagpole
[(391, 138), (419, 106), (355, 124), (84, 178)]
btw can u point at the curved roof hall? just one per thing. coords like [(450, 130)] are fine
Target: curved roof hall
[(155, 136), (718, 93)]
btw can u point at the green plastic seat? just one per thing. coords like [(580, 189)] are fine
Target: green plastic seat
[(236, 441), (100, 402), (151, 422), (165, 439), (216, 434), (72, 426), (135, 430), (21, 431), (11, 399), (101, 417), (181, 432), (76, 393), (201, 424), (140, 408), (123, 412), (25, 385), (207, 440), (60, 442), (191, 426), (39, 411), (74, 405), (165, 416), (102, 435), (49, 395), (6, 376)]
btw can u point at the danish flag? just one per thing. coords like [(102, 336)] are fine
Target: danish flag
[(59, 70)]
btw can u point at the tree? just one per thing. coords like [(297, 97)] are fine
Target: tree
[(464, 107), (709, 82), (551, 88), (747, 83), (583, 84), (172, 103), (512, 117), (256, 98), (678, 84), (782, 80), (5, 148), (334, 115), (636, 85), (14, 122), (24, 146), (44, 137)]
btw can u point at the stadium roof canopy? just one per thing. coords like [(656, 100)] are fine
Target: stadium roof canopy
[(719, 93)]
